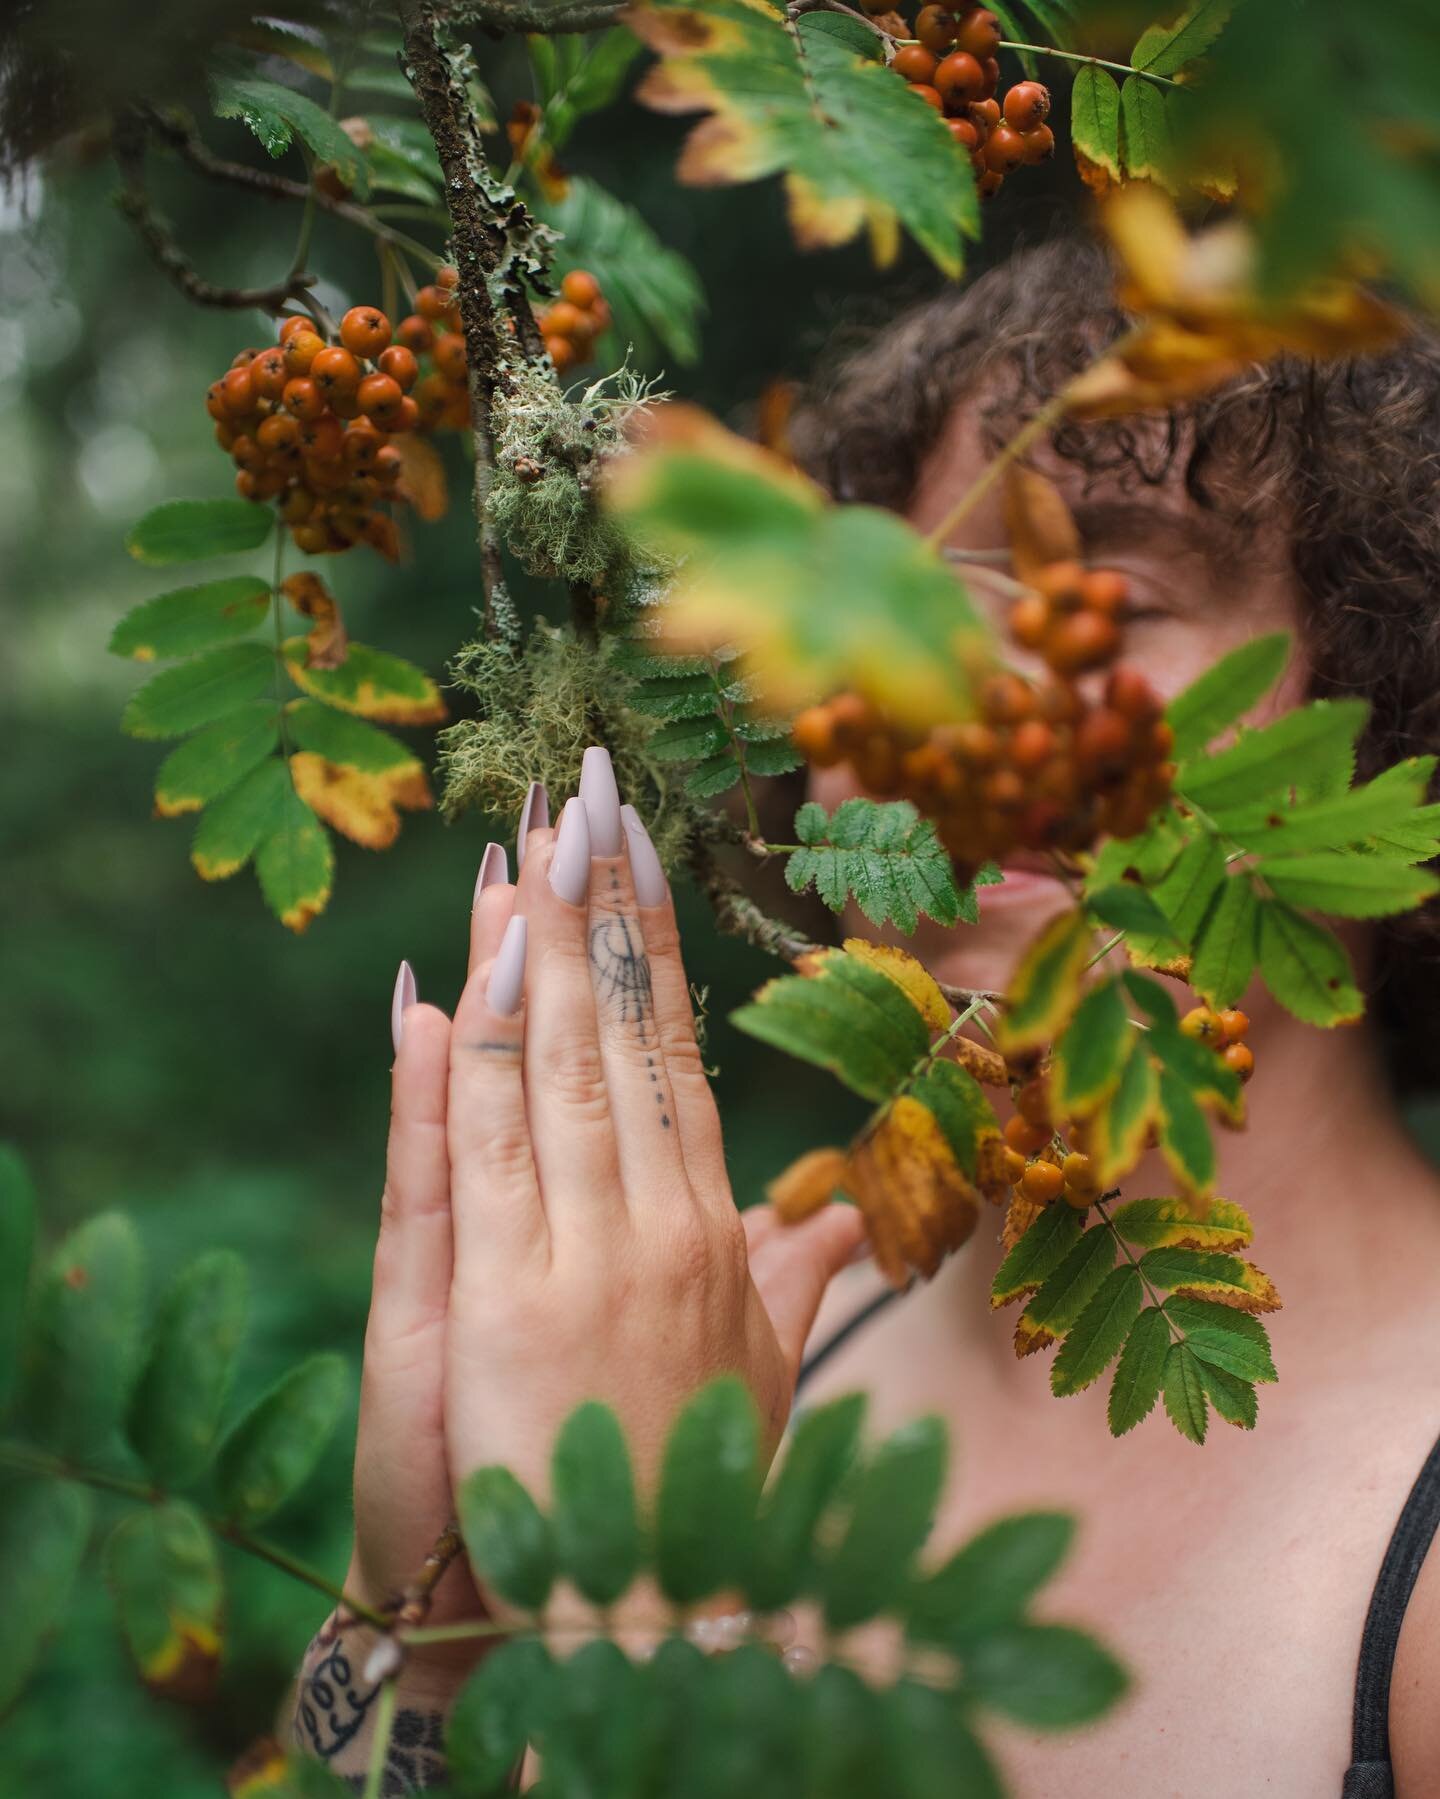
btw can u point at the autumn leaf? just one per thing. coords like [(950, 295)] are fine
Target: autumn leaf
[(807, 1184), (326, 642), (1201, 317), (422, 476), (917, 1202), (1038, 524), (912, 978), (1045, 986), (363, 807), (369, 683)]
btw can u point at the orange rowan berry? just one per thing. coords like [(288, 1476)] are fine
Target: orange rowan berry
[(1032, 746), (388, 464), (303, 398), (1203, 1025), (561, 352), (580, 288), (1239, 1058), (1039, 145), (976, 745), (1041, 1183), (432, 302), (215, 402), (311, 538), (813, 735), (1029, 1139), (1104, 590), (985, 114), (365, 331), (979, 33), (246, 452), (1234, 1024), (1083, 641), (296, 322), (1005, 699), (1103, 743), (379, 397), (280, 432), (1079, 1173), (964, 133), (1027, 105), (335, 371), (915, 63), (224, 436), (1029, 618), (322, 438), (1032, 1103), (407, 414), (930, 95), (270, 374), (447, 276), (1130, 694), (400, 365), (450, 356), (959, 79), (301, 349), (237, 387), (415, 334), (245, 485), (936, 26)]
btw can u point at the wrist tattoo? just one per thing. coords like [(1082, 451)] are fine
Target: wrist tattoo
[(334, 1707)]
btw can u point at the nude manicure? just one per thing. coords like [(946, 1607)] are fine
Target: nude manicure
[(570, 865), (507, 977), (404, 995), (645, 870), (534, 816), (602, 801), (493, 867)]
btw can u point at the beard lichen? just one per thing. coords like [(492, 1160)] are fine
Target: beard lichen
[(538, 707)]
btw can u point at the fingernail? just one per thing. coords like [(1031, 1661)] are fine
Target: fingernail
[(602, 801), (645, 870), (404, 995), (507, 977), (570, 865), (493, 867), (534, 816)]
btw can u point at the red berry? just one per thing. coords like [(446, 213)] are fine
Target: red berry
[(432, 302), (979, 33), (365, 331), (964, 133), (301, 349), (379, 397), (959, 79), (335, 371), (1027, 105), (237, 387), (1039, 144), (303, 398), (1004, 150), (914, 63), (930, 95), (935, 26), (580, 288), (415, 334)]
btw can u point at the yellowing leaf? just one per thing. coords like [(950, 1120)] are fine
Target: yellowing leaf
[(295, 864), (163, 1567), (912, 978), (1254, 1291), (917, 1201), (370, 683), (326, 643), (363, 807), (807, 1184), (1201, 317), (1117, 1133), (1046, 985), (1038, 524), (1169, 1224), (422, 476)]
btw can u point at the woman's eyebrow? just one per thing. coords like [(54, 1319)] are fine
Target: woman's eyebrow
[(1134, 524)]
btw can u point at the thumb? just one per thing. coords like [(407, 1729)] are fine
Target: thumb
[(792, 1265)]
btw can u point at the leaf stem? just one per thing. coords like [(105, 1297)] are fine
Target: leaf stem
[(1129, 1254), (380, 1746), (1098, 62), (276, 602)]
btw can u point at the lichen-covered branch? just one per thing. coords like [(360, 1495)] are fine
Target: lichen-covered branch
[(538, 15)]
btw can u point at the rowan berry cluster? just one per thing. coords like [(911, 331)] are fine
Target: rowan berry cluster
[(432, 334), (953, 66), (571, 324), (1224, 1032), (1044, 766), (309, 425), (1036, 1164)]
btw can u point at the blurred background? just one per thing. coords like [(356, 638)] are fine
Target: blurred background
[(165, 1046)]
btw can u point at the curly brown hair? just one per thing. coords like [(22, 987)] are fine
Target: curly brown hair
[(1341, 459)]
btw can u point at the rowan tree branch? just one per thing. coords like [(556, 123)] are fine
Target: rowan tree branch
[(548, 16)]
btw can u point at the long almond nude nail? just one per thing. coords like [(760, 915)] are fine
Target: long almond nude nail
[(534, 816), (404, 995), (507, 978), (570, 865), (645, 870), (493, 867), (602, 801)]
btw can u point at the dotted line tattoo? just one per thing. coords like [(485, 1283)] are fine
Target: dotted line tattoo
[(622, 970)]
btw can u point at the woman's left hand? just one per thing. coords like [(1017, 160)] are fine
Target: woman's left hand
[(598, 1250)]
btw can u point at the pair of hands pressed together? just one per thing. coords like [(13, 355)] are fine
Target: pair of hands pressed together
[(557, 1224)]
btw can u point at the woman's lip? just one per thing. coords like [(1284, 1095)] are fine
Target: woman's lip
[(1020, 885)]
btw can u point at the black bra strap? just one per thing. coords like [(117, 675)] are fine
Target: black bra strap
[(1398, 1573)]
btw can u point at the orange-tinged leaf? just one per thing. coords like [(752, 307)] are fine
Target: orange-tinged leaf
[(1117, 1133), (363, 807), (1020, 1214), (986, 1064), (1254, 1292), (259, 1771), (369, 683), (917, 1201), (326, 642), (912, 978), (1045, 986), (1031, 1337), (295, 865), (807, 1184), (1169, 1224), (1038, 524), (422, 476)]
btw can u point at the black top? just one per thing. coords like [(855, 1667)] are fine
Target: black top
[(1369, 1775)]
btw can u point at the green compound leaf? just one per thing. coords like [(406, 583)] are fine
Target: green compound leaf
[(1149, 152), (1126, 907), (592, 1514), (846, 1743), (1166, 49), (1139, 1372), (1264, 764), (1044, 1675), (83, 1342), (509, 1540), (1306, 967), (590, 1722), (270, 1451), (1095, 119), (1348, 886), (1227, 1339), (716, 774), (1037, 1255), (745, 1730), (1362, 816), (1097, 1335), (990, 1581), (1185, 1392), (1188, 891), (494, 1716), (1229, 944), (892, 1509), (199, 692), (881, 854), (175, 1413), (855, 149), (1225, 692), (689, 739), (821, 1452), (1090, 1057), (44, 1525), (278, 114), (185, 530), (709, 1484), (216, 759), (1233, 1399), (295, 863), (17, 1253), (1073, 1285), (164, 1569), (191, 619), (233, 826)]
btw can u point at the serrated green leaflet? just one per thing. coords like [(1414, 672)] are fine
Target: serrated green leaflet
[(216, 759), (1226, 692), (932, 1751), (272, 1448), (1046, 985), (494, 1716), (590, 1719), (821, 1451), (1172, 1267), (1096, 1336), (1095, 118), (1348, 886), (1121, 1124), (1392, 800), (1185, 1392), (1234, 1399), (1306, 967), (1184, 1134), (990, 1581), (957, 1102), (1186, 893), (1158, 1223), (185, 530), (199, 692), (43, 1528), (1149, 153), (1166, 49), (1126, 907), (191, 619), (893, 1501), (277, 114), (233, 825), (1228, 945), (592, 1513), (339, 737), (688, 739), (164, 1570), (1074, 1283), (176, 1409), (884, 855), (1267, 762), (370, 683), (1037, 1255), (295, 863), (709, 1484), (1139, 1372), (1045, 1675), (1219, 1334), (509, 1541), (808, 106), (1091, 1055)]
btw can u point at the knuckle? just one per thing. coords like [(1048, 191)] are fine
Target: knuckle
[(574, 1072)]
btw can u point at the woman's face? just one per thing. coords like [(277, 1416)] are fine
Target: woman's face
[(1197, 590)]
